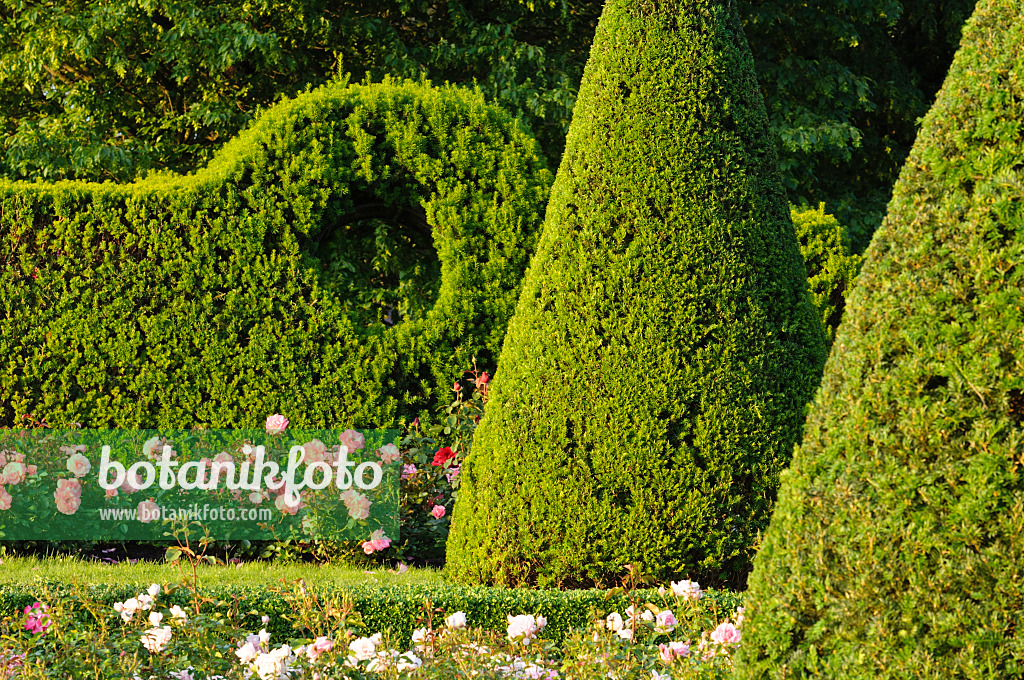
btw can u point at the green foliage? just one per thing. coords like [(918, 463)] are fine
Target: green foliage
[(211, 298), (653, 380), (95, 91), (895, 550), (831, 268), (432, 455), (395, 608)]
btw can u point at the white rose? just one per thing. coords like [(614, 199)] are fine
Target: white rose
[(246, 653), (408, 662), (269, 667), (456, 620), (363, 648)]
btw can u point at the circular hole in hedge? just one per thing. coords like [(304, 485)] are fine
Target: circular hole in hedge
[(381, 263)]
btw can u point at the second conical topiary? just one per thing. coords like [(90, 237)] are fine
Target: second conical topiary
[(897, 548), (653, 381)]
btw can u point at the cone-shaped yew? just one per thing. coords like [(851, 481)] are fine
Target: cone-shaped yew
[(897, 547), (652, 384)]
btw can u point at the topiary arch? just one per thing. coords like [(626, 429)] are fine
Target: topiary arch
[(897, 546), (239, 291)]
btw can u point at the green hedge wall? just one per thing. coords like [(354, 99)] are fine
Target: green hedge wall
[(654, 378), (240, 291), (897, 546), (394, 608)]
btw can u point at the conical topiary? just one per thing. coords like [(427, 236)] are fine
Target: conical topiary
[(652, 383), (897, 547)]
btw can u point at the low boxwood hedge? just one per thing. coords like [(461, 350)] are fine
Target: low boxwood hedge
[(395, 608)]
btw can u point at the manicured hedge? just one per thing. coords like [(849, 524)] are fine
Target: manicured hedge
[(897, 546), (385, 608), (225, 296), (654, 377)]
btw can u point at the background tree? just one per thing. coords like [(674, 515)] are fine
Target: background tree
[(98, 91)]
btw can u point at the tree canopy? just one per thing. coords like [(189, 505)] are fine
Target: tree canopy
[(96, 90)]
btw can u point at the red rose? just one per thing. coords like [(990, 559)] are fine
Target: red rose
[(443, 456)]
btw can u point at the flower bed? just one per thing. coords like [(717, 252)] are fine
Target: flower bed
[(303, 632)]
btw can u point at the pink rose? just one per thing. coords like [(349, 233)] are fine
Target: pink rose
[(408, 471), (673, 650), (111, 493), (3, 458), (67, 502), (358, 505), (70, 486), (151, 448), (37, 620), (31, 469), (148, 511), (276, 424), (131, 483), (389, 454), (318, 647), (352, 440), (18, 457), (282, 504), (378, 541), (665, 622), (14, 472), (315, 452), (725, 634), (5, 499), (437, 511), (155, 639), (79, 465), (223, 457)]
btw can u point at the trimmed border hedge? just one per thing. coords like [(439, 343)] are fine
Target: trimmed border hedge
[(395, 607)]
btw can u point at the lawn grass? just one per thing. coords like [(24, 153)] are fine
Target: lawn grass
[(72, 569)]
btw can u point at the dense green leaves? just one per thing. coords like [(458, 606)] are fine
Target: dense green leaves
[(214, 299), (831, 268), (654, 376), (895, 550), (398, 609), (94, 90)]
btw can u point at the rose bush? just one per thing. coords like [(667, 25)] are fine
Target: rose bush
[(431, 456), (142, 638)]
